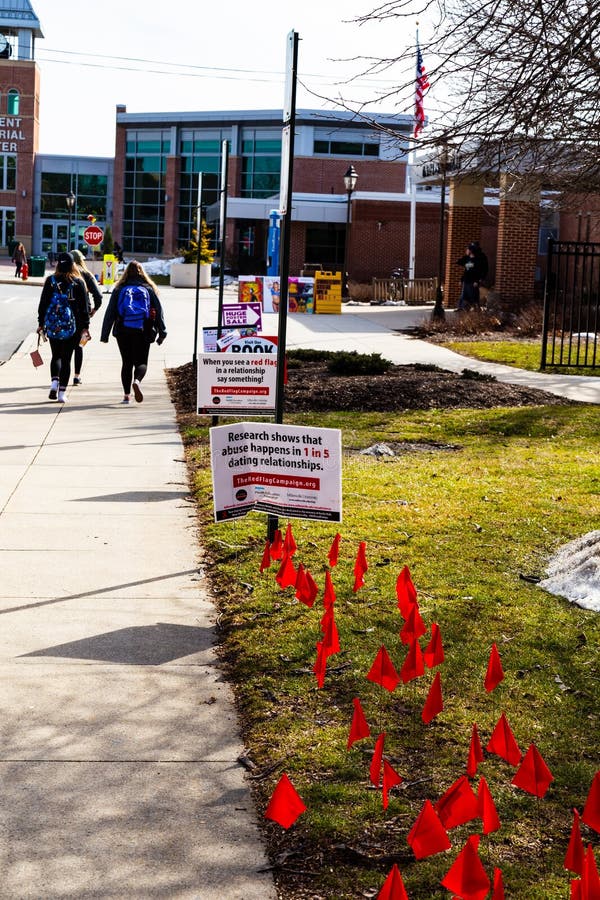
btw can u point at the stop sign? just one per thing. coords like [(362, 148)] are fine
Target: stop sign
[(93, 235)]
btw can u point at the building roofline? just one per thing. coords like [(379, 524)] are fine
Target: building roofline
[(270, 116)]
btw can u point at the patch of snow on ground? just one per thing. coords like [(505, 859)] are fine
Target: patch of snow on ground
[(160, 266), (574, 572)]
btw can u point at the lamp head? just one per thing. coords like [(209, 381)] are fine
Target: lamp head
[(350, 179)]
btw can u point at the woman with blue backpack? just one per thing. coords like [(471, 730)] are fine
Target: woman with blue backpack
[(135, 315), (63, 316)]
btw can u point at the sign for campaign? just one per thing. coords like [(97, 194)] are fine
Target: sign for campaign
[(282, 470), (236, 384), (236, 315), (209, 337)]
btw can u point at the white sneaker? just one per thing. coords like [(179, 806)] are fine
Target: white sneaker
[(137, 391), (61, 397)]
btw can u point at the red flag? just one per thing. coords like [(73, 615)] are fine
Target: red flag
[(334, 550), (359, 728), (286, 576), (413, 666), (393, 886), (277, 546), (576, 890), (591, 810), (320, 666), (390, 780), (305, 586), (428, 835), (383, 672), (434, 703), (414, 627), (328, 591), (434, 652), (498, 891), (289, 544), (575, 851), (312, 589), (360, 566), (458, 805), (467, 877), (590, 880), (533, 775), (285, 804), (406, 592), (503, 743), (475, 753), (375, 767), (266, 557), (487, 811), (331, 641), (495, 672)]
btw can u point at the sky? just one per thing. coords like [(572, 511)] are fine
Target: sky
[(157, 56)]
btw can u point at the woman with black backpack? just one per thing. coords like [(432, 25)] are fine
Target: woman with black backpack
[(63, 316), (135, 315)]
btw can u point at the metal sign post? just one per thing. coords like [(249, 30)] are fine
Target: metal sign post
[(222, 228), (198, 229)]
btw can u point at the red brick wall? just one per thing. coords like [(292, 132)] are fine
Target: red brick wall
[(380, 239), (24, 77), (119, 184), (171, 205), (464, 226), (518, 232), (318, 175)]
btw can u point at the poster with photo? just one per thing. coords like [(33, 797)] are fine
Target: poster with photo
[(250, 289)]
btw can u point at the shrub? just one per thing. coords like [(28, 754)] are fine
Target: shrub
[(190, 253), (353, 363)]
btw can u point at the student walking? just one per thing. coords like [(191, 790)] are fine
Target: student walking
[(96, 297), (19, 258), (135, 315), (64, 318)]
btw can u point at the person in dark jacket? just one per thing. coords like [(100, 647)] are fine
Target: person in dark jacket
[(134, 337), (475, 265), (65, 280), (19, 258), (95, 295)]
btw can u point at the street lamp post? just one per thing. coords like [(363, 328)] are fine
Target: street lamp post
[(70, 201), (350, 179), (438, 309)]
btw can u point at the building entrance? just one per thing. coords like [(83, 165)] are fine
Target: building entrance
[(7, 227), (54, 238)]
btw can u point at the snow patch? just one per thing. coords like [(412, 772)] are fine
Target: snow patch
[(160, 266), (574, 572)]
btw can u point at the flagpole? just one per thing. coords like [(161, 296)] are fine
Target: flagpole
[(413, 212)]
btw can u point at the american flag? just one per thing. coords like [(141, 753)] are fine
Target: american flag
[(421, 85)]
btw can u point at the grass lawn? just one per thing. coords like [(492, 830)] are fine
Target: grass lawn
[(484, 501), (524, 354)]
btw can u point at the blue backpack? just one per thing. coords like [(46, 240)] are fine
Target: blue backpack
[(59, 321), (134, 305)]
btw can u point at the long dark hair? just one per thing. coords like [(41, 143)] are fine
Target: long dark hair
[(134, 272)]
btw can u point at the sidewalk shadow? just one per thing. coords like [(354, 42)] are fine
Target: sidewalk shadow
[(135, 497), (143, 645)]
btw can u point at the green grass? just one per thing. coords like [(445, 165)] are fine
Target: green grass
[(468, 522), (524, 354)]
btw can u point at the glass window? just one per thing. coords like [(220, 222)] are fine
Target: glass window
[(12, 102), (261, 162), (364, 146), (8, 172)]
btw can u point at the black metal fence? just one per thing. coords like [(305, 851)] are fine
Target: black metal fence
[(570, 335)]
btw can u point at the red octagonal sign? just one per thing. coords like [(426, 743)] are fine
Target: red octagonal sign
[(93, 235)]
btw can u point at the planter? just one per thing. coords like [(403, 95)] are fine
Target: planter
[(184, 275)]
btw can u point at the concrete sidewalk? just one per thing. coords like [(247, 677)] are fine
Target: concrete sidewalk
[(119, 740)]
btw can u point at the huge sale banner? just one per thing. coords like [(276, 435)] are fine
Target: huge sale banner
[(283, 470)]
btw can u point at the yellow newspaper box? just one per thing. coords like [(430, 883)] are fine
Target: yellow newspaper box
[(328, 292)]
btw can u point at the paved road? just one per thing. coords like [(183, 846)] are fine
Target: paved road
[(18, 315)]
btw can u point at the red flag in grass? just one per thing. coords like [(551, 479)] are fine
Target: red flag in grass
[(383, 672), (285, 804), (413, 666), (359, 727), (487, 808), (328, 591), (575, 851), (475, 753), (313, 588), (414, 627), (331, 641), (360, 566), (266, 557), (406, 592), (320, 666), (289, 544), (390, 780), (393, 886), (428, 835), (306, 589), (375, 767), (334, 550), (458, 805), (277, 546), (533, 775), (467, 877), (503, 743), (590, 879), (495, 672), (591, 810), (286, 576), (434, 703), (498, 891), (434, 651)]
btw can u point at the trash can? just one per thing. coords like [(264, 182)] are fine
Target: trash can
[(37, 266)]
